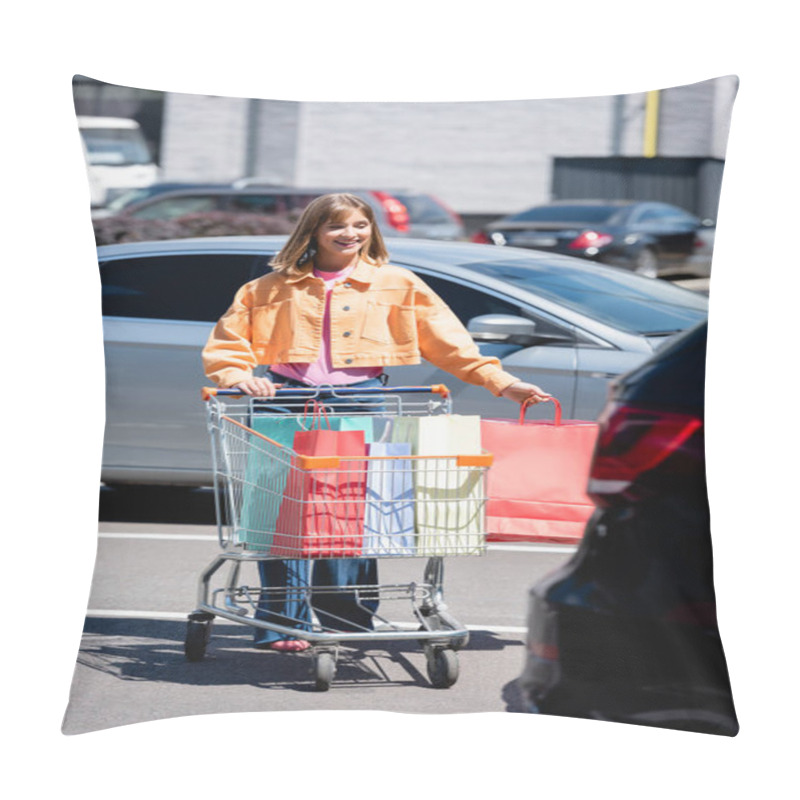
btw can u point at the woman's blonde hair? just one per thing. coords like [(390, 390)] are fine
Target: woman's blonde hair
[(293, 257)]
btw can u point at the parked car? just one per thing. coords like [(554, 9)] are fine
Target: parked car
[(129, 197), (117, 156), (627, 629), (416, 215), (554, 321), (193, 199), (651, 239), (429, 217)]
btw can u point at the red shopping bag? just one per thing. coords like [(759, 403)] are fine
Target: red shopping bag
[(322, 512), (536, 487)]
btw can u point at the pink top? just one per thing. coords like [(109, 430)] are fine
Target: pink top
[(321, 371)]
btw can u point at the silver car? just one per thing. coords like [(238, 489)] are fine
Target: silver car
[(564, 324)]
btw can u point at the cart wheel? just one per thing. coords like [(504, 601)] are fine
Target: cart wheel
[(324, 670), (442, 667), (198, 632), (436, 623)]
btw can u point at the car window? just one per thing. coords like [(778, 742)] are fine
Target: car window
[(614, 297), (468, 303), (661, 213), (423, 209), (117, 146), (179, 287), (675, 214), (651, 215), (127, 198), (299, 201), (258, 203), (565, 213), (174, 207)]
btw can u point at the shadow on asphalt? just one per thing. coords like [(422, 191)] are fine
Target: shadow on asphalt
[(146, 650), (164, 504)]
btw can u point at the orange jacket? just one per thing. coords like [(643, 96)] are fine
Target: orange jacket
[(380, 316)]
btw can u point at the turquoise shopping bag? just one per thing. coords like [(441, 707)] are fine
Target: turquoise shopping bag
[(265, 478)]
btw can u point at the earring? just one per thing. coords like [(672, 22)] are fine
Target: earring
[(308, 255)]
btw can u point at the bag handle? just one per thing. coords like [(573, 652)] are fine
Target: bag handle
[(528, 403), (318, 413)]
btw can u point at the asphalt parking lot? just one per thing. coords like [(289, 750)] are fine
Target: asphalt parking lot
[(131, 666)]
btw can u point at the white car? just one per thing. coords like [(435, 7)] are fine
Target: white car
[(117, 157), (565, 324)]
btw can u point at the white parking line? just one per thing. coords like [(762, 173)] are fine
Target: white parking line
[(196, 537), (176, 615)]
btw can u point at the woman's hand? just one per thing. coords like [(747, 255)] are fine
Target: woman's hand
[(521, 392), (256, 387)]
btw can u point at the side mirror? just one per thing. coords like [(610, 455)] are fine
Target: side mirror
[(500, 328), (509, 329)]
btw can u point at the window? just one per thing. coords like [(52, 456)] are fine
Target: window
[(423, 209), (664, 213), (115, 146), (467, 303), (258, 203), (174, 207), (618, 298), (179, 287), (579, 214)]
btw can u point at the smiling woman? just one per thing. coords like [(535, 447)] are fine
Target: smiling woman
[(334, 277)]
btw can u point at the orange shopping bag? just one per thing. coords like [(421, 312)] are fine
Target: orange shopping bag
[(537, 483)]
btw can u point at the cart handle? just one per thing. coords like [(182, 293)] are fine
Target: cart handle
[(439, 388)]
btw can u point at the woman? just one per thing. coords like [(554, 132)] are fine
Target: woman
[(334, 312)]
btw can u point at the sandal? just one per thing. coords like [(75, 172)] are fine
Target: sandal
[(290, 645)]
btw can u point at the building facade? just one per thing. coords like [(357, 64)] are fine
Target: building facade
[(482, 158)]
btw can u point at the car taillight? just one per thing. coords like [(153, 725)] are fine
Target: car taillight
[(480, 238), (633, 441), (396, 212), (591, 239)]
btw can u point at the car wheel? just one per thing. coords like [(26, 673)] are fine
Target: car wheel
[(646, 263)]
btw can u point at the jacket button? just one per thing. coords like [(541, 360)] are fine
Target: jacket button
[(346, 308), (346, 333)]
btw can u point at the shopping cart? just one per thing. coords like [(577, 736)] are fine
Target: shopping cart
[(275, 503)]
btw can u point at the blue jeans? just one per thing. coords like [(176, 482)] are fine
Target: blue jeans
[(337, 610)]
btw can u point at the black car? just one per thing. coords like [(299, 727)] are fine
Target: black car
[(653, 239), (626, 630)]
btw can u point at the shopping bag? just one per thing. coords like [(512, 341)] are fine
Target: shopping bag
[(264, 482), (389, 517), (537, 482), (322, 513), (449, 499), (355, 423)]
